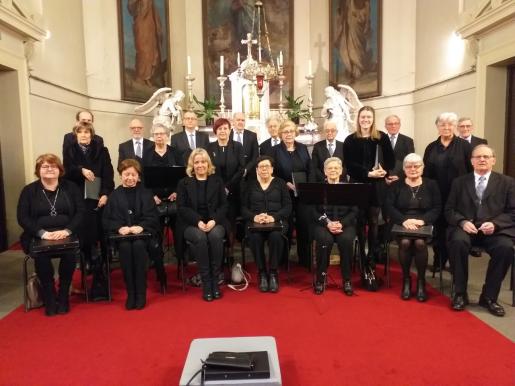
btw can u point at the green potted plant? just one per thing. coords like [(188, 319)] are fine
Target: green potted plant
[(207, 109), (295, 111)]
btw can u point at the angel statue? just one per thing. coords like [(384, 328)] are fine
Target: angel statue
[(341, 108), (169, 112)]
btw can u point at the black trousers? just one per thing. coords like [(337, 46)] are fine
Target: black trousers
[(324, 242), (133, 261), (441, 253), (208, 249), (500, 249), (275, 247), (301, 219), (45, 269)]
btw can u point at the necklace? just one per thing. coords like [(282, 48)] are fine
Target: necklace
[(414, 192), (53, 211)]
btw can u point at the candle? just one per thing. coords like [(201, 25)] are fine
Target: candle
[(189, 65), (278, 62), (310, 69), (221, 65), (238, 59), (259, 54), (280, 58)]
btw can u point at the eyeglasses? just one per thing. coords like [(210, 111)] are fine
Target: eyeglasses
[(487, 157), (264, 166), (417, 166), (190, 118), (136, 128), (46, 167), (159, 133), (288, 131)]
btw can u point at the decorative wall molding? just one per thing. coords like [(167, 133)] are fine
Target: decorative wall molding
[(17, 19), (486, 17)]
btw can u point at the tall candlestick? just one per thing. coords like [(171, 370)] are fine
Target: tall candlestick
[(310, 68), (221, 65), (189, 65)]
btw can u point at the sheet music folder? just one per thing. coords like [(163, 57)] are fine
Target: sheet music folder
[(40, 245), (163, 176), (92, 188), (425, 231), (348, 194)]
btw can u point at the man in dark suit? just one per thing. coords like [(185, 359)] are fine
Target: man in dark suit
[(82, 116), (329, 147), (465, 128), (480, 211), (402, 145), (137, 146), (191, 138), (248, 139), (272, 124)]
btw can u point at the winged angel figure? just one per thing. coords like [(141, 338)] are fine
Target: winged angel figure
[(341, 108), (167, 107)]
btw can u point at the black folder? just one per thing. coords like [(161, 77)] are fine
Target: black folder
[(273, 226), (41, 246), (260, 369), (424, 232)]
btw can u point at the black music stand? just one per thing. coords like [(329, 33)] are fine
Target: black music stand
[(347, 194)]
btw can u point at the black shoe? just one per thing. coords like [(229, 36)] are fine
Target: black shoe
[(347, 288), (318, 287), (263, 282), (130, 303), (273, 283), (491, 305), (63, 307), (421, 290), (217, 294), (458, 302), (141, 301), (406, 288), (207, 292), (51, 309)]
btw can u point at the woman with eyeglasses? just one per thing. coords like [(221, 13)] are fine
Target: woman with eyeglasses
[(445, 159), (412, 203)]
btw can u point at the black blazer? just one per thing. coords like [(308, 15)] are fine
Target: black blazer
[(70, 139), (474, 141), (250, 150), (181, 145), (97, 160), (116, 213), (126, 150), (234, 166), (283, 166), (457, 164), (265, 148), (498, 203), (403, 146), (398, 200), (274, 201), (320, 154)]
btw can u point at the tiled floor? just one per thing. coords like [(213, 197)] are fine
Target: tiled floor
[(11, 291)]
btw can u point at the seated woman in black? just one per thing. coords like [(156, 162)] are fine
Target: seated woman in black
[(85, 162), (334, 224), (265, 201), (412, 203), (293, 165), (163, 155), (52, 209), (202, 207), (229, 162), (130, 211)]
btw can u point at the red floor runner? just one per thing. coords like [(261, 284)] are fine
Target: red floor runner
[(369, 339)]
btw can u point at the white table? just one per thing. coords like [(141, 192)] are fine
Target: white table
[(201, 348)]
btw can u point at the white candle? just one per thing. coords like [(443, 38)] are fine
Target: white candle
[(221, 65), (189, 65), (259, 54), (278, 62), (310, 69), (238, 59), (280, 58)]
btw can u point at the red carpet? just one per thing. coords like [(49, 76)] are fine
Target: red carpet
[(369, 339)]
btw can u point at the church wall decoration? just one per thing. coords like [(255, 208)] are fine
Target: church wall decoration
[(355, 45), (227, 22), (144, 47)]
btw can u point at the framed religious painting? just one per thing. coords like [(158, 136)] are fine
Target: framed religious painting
[(355, 45), (144, 42), (227, 22)]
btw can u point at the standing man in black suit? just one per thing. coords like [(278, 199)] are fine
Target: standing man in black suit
[(272, 124), (248, 139), (329, 147), (137, 146), (402, 145), (480, 211), (189, 139), (465, 128), (82, 116)]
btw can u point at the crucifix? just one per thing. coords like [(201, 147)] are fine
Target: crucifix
[(249, 42)]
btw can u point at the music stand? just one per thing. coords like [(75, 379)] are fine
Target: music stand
[(345, 194)]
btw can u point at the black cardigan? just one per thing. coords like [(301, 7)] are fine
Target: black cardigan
[(283, 166), (275, 201), (116, 213), (234, 166), (31, 196)]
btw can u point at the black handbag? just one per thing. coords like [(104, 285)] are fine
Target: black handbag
[(167, 208)]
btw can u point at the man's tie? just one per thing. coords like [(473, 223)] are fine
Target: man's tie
[(330, 148), (139, 152), (275, 142), (238, 138), (192, 141), (480, 188), (392, 141)]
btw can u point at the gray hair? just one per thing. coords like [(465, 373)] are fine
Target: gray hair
[(465, 119), (159, 126), (275, 117), (333, 159), (412, 158), (481, 145), (447, 117), (392, 116), (327, 122)]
